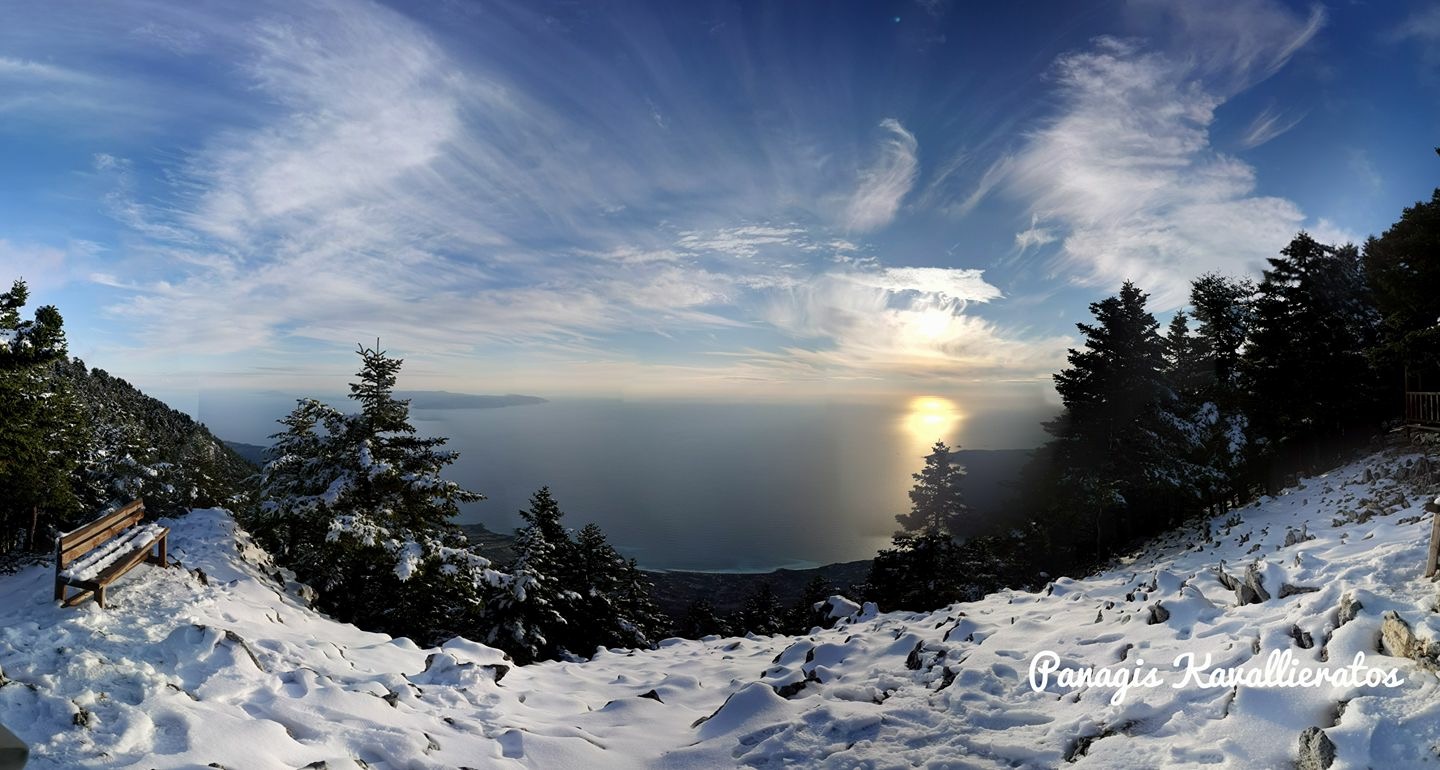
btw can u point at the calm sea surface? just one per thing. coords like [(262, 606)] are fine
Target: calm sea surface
[(708, 486)]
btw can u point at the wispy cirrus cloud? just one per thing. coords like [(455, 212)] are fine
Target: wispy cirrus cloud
[(373, 180), (1126, 174), (1267, 125), (886, 182)]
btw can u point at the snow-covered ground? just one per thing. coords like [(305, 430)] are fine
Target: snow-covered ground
[(235, 670)]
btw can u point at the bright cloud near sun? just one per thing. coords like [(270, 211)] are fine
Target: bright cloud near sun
[(680, 199)]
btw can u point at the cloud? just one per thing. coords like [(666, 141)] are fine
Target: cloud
[(1421, 27), (44, 267), (1126, 173), (25, 70), (885, 183), (1035, 236), (906, 323), (1267, 125), (993, 175), (375, 183)]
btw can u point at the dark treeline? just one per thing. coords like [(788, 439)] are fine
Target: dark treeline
[(75, 442), (1249, 386)]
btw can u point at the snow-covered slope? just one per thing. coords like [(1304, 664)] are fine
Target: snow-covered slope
[(235, 670)]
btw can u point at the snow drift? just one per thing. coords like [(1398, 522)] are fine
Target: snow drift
[(224, 664)]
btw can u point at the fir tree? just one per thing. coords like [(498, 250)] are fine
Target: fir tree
[(1402, 267), (1310, 379), (525, 616), (366, 515), (38, 447), (937, 503), (762, 613), (1120, 432), (700, 619)]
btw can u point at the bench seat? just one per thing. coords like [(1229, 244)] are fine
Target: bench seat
[(95, 555)]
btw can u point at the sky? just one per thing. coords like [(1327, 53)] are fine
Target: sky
[(738, 200)]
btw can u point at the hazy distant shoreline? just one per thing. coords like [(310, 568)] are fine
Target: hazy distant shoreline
[(443, 399)]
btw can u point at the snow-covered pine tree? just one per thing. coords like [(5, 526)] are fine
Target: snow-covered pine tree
[(525, 615), (1223, 312), (368, 516)]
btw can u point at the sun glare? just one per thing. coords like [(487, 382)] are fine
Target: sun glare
[(932, 419)]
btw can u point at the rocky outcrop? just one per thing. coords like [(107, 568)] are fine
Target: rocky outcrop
[(1317, 752), (1397, 639)]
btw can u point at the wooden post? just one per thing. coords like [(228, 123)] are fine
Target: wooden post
[(1434, 553), (13, 752)]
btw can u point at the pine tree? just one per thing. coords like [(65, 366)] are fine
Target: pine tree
[(367, 516), (1402, 267), (1311, 383), (1120, 442), (1223, 308), (37, 437), (762, 613), (937, 503), (700, 619), (803, 614), (1223, 311), (525, 615)]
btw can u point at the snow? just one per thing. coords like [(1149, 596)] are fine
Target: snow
[(236, 670), (92, 564)]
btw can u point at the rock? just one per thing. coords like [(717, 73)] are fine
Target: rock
[(1252, 589), (1296, 536), (1398, 640), (1395, 635), (837, 608), (1349, 608), (913, 660), (497, 670), (652, 695), (1317, 752), (1158, 614), (1302, 638), (1287, 590)]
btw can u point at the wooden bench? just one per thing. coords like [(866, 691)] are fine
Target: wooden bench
[(95, 555)]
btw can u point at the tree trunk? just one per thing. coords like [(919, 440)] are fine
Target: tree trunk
[(34, 522)]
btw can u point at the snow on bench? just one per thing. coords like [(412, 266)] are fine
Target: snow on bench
[(90, 567), (95, 555)]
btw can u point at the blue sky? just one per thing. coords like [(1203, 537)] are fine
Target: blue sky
[(745, 200)]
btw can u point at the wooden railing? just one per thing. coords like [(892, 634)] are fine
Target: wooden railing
[(1422, 407)]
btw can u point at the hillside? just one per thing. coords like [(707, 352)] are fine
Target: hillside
[(232, 668)]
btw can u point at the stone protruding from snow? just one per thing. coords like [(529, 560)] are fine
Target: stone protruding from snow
[(1158, 614), (1287, 590), (1297, 536), (837, 608), (1398, 640), (1349, 608), (1317, 752)]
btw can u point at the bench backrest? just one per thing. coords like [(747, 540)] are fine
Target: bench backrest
[(78, 542)]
